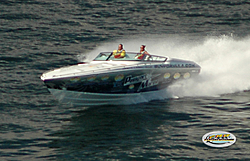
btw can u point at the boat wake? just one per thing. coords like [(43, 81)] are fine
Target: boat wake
[(225, 67)]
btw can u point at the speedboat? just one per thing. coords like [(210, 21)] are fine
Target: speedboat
[(114, 81)]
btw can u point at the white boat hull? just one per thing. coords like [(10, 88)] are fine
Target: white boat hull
[(110, 81), (97, 99)]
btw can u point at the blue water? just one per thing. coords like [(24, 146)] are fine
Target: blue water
[(40, 35)]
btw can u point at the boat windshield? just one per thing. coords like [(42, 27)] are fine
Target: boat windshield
[(130, 56)]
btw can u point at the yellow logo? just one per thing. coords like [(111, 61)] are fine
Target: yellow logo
[(219, 139), (119, 77), (92, 78)]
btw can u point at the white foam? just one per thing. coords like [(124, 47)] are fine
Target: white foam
[(225, 67)]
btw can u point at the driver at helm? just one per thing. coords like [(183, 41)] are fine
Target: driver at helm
[(120, 52)]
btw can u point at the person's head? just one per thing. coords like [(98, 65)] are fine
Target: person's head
[(142, 47), (120, 47)]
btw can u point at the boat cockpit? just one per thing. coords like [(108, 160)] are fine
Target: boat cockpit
[(130, 56)]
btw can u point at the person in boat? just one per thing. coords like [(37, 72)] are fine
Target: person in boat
[(142, 52), (120, 52)]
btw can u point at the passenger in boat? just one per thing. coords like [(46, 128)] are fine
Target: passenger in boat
[(142, 52), (120, 52)]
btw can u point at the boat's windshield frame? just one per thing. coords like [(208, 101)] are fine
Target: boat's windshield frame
[(130, 56)]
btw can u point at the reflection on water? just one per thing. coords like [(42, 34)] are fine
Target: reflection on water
[(111, 131), (172, 129)]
